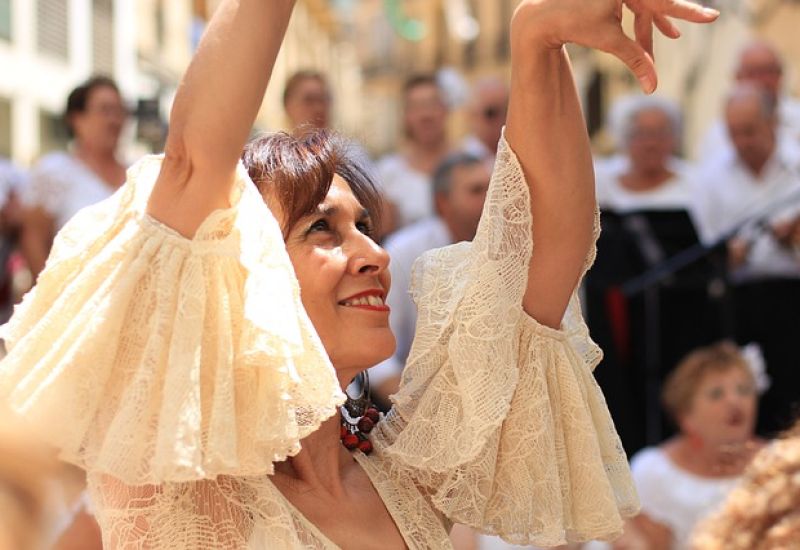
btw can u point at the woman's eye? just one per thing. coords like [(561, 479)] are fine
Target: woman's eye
[(715, 393), (319, 225), (366, 228)]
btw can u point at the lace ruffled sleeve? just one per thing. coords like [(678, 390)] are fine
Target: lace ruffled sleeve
[(154, 358), (498, 415)]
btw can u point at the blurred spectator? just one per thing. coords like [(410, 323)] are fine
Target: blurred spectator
[(759, 64), (63, 183), (307, 100), (645, 200), (763, 511), (459, 191), (25, 473), (711, 396), (12, 183), (405, 176), (487, 111), (41, 500), (755, 197)]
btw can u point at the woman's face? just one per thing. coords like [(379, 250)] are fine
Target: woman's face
[(425, 114), (652, 141), (310, 104), (100, 124), (344, 280), (723, 410)]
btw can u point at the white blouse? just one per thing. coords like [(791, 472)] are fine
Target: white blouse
[(176, 371), (674, 497), (62, 185)]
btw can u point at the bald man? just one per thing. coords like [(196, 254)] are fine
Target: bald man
[(486, 110), (759, 64), (762, 177)]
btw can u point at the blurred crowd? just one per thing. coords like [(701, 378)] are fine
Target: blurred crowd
[(694, 297)]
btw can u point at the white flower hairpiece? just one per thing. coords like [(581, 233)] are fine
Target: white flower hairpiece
[(758, 367)]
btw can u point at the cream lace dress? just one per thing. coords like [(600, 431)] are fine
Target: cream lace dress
[(177, 371)]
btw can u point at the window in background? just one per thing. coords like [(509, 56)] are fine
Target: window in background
[(52, 132), (52, 28), (5, 19), (103, 36), (5, 127)]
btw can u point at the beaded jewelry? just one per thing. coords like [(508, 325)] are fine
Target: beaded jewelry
[(359, 417)]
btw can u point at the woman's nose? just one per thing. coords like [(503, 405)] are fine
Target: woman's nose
[(367, 256)]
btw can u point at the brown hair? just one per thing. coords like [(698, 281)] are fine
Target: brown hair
[(78, 98), (422, 79), (763, 511), (297, 78), (681, 384), (298, 172)]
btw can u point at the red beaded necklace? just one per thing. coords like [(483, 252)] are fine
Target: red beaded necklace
[(359, 417)]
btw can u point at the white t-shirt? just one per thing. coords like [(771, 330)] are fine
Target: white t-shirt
[(409, 190), (727, 194), (404, 247), (11, 179), (62, 185), (673, 194), (674, 497)]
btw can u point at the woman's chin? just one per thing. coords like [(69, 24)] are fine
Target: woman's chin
[(365, 353)]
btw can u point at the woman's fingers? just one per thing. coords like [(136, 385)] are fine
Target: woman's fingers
[(680, 9), (643, 30), (666, 26), (630, 52)]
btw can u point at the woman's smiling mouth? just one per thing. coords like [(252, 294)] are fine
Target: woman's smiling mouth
[(372, 300)]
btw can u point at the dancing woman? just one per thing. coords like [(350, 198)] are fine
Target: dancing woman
[(189, 339)]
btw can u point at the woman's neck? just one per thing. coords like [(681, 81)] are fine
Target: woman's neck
[(321, 463), (92, 156), (426, 158), (711, 459), (642, 180)]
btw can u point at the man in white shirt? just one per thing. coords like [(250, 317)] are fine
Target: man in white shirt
[(753, 199), (760, 64), (487, 110), (459, 191)]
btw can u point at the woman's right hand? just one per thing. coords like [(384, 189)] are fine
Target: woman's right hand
[(598, 24)]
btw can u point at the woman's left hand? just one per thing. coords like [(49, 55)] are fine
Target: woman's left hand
[(598, 24)]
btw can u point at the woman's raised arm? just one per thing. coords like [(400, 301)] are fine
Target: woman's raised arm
[(214, 110), (546, 129)]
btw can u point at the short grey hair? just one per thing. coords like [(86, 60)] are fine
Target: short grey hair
[(626, 109), (443, 176)]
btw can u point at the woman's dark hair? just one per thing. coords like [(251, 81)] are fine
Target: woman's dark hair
[(417, 80), (78, 98), (298, 172)]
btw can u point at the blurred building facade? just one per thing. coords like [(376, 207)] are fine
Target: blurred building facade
[(396, 38), (47, 47), (367, 47)]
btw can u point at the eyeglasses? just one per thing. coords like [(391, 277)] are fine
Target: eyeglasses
[(109, 111), (315, 99)]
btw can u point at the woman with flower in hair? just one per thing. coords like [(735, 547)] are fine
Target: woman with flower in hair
[(712, 396), (190, 339)]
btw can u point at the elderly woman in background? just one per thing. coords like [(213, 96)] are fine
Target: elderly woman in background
[(644, 198), (64, 182), (712, 397)]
